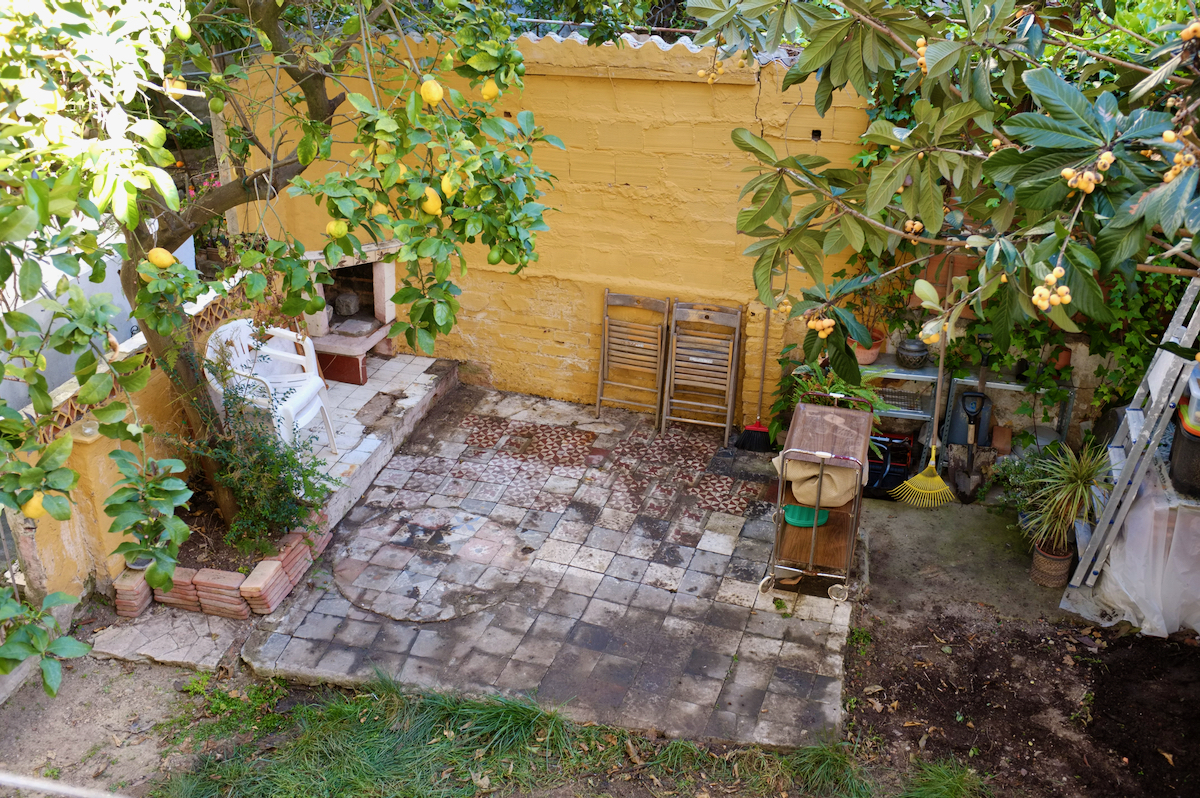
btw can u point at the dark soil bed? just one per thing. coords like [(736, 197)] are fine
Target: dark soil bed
[(1043, 710), (206, 548)]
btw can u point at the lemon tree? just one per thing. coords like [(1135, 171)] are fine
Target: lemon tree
[(89, 92), (1054, 144)]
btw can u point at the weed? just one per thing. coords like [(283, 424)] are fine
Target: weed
[(234, 712), (852, 703), (780, 604), (831, 769), (945, 779), (860, 638), (52, 773), (387, 741)]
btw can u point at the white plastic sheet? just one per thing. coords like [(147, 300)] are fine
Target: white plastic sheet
[(1152, 578)]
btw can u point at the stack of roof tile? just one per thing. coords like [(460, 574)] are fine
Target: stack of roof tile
[(266, 587), (220, 593), (295, 555), (183, 594), (133, 593)]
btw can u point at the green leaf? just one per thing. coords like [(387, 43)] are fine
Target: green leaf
[(885, 181), (306, 151), (483, 62), (824, 41), (30, 280), (51, 676), (96, 389), (1058, 315), (926, 292), (745, 140), (134, 381), (841, 358), (55, 455), (1042, 131), (58, 599), (1086, 296), (1062, 101), (941, 56), (111, 413), (58, 506), (18, 225)]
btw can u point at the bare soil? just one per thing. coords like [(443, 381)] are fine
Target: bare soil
[(1033, 698), (206, 548)]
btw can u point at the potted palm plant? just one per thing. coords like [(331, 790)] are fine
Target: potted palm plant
[(1066, 487)]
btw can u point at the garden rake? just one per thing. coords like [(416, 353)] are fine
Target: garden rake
[(927, 488)]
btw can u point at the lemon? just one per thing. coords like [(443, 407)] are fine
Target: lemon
[(160, 258), (432, 204), (494, 256), (432, 92), (490, 90), (175, 88), (379, 209), (336, 229), (183, 30), (33, 508), (216, 105), (447, 186)]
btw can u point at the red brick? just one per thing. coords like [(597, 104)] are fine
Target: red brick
[(209, 577), (261, 577), (131, 581)]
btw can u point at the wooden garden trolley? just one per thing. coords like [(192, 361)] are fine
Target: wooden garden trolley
[(831, 437)]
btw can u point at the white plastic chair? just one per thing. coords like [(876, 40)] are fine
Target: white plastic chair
[(277, 379)]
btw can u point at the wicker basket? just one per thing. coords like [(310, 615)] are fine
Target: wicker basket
[(1049, 570)]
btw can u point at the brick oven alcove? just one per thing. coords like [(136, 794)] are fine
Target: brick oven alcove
[(358, 313)]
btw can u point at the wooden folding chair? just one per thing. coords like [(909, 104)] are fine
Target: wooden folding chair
[(631, 352), (702, 366)]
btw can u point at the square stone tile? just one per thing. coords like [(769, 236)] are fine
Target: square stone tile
[(538, 650), (496, 578), (663, 576), (562, 485), (567, 604), (499, 642), (427, 563), (578, 580), (733, 591), (616, 590), (557, 551), (638, 547), (674, 555), (753, 673), (690, 607), (357, 634), (709, 664), (520, 676), (393, 557), (698, 689), (591, 559), (648, 527), (652, 598), (318, 627), (507, 514), (605, 539), (741, 699), (478, 669), (716, 543), (301, 654), (513, 617), (422, 673), (700, 585), (462, 572), (631, 569), (545, 573), (589, 636), (394, 637), (586, 505), (791, 681), (480, 551), (552, 626), (616, 670), (571, 531), (433, 644), (603, 613), (643, 709), (685, 719), (610, 518), (540, 521)]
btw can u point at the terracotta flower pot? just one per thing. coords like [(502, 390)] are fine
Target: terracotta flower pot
[(1050, 570), (866, 357), (1062, 358)]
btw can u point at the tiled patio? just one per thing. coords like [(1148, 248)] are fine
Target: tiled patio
[(520, 545)]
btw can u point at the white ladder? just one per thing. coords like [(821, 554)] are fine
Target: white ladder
[(1140, 433)]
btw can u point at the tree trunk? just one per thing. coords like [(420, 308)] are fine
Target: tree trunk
[(187, 376)]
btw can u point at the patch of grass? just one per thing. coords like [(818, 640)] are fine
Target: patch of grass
[(231, 712), (831, 769), (945, 779), (860, 638), (386, 740)]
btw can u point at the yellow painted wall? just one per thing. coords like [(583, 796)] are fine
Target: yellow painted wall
[(645, 203), (65, 555)]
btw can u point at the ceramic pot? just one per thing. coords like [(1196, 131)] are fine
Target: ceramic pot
[(912, 354), (866, 357)]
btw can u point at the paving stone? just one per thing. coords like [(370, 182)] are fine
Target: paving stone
[(629, 568), (540, 521), (652, 598), (709, 664), (591, 559), (542, 572), (394, 637), (300, 656), (648, 527), (603, 613), (746, 570), (643, 709), (616, 590), (567, 604), (698, 689), (586, 511), (578, 580), (715, 638), (357, 634), (514, 617), (420, 672), (690, 607), (758, 647), (610, 518), (716, 543), (521, 676), (319, 627), (753, 672), (538, 650), (684, 719), (589, 636), (733, 591), (741, 699)]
